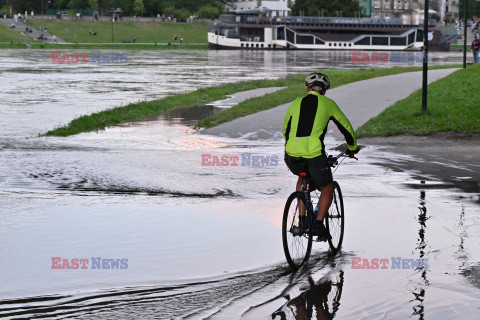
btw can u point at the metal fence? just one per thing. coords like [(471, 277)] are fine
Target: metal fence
[(302, 20)]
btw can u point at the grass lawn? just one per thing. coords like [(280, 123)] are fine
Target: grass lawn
[(453, 105), (152, 109), (142, 32), (9, 35)]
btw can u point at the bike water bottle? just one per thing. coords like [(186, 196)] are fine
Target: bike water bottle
[(315, 212)]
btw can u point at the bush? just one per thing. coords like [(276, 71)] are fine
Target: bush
[(207, 11)]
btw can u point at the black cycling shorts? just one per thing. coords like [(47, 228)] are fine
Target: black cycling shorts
[(317, 168)]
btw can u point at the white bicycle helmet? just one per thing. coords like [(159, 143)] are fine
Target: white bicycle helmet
[(317, 81)]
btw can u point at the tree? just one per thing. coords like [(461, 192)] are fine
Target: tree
[(93, 4), (473, 9), (138, 7), (208, 11)]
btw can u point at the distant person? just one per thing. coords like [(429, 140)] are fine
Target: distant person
[(95, 16), (26, 14), (13, 25), (31, 15), (174, 38), (54, 38), (181, 39), (474, 48)]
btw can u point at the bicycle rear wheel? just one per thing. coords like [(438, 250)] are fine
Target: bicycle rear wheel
[(296, 231), (336, 219)]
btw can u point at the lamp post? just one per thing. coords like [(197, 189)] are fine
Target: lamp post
[(465, 9), (425, 56)]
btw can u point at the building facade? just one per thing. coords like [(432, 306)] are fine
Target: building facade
[(279, 8), (388, 9)]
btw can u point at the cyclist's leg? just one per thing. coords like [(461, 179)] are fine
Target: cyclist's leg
[(295, 169), (326, 197), (322, 176)]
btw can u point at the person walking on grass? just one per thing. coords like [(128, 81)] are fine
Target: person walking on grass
[(181, 39), (474, 48)]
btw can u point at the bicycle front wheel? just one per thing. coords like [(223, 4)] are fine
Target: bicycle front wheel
[(336, 219), (296, 231)]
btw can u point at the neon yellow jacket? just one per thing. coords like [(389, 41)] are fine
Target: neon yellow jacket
[(306, 123)]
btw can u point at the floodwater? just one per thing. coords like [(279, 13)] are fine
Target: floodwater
[(204, 241)]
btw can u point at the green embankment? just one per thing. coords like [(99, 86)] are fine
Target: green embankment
[(152, 109), (453, 105), (11, 38), (142, 32)]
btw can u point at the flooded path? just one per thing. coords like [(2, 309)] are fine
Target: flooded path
[(204, 241)]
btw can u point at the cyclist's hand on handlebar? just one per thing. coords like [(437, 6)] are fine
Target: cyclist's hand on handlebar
[(350, 153)]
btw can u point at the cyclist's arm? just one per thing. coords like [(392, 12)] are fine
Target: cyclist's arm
[(287, 123), (344, 126)]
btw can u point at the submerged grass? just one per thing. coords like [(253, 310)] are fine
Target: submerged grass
[(453, 105), (152, 109)]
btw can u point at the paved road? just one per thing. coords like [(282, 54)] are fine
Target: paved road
[(360, 101)]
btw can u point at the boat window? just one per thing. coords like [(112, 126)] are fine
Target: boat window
[(290, 36), (380, 41), (419, 35), (364, 41), (401, 41), (411, 38), (281, 34), (319, 41), (305, 39)]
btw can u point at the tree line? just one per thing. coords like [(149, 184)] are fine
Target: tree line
[(181, 9)]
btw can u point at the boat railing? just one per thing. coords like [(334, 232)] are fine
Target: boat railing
[(303, 20)]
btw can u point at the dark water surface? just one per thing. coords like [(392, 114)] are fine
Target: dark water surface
[(203, 241)]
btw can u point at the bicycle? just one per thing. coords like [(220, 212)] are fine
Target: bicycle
[(297, 234)]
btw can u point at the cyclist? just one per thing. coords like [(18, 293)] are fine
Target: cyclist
[(304, 129)]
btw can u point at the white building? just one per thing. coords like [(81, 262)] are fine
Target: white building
[(277, 8)]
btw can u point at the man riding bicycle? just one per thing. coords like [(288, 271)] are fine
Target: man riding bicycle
[(304, 129)]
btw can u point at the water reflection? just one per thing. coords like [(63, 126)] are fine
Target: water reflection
[(461, 255), (321, 301), (419, 292)]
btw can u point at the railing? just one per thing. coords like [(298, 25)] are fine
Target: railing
[(308, 20)]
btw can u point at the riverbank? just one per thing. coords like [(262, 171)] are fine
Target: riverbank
[(452, 107), (103, 35), (147, 110), (123, 32)]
